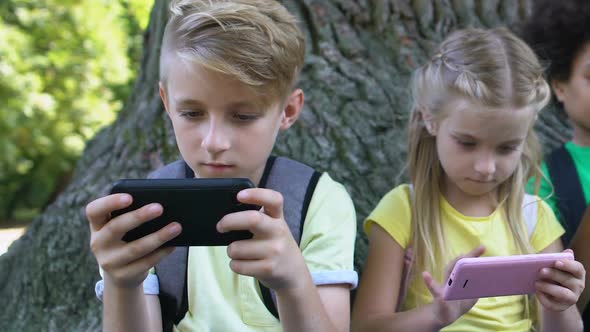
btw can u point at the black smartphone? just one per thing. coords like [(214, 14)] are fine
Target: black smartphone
[(197, 204)]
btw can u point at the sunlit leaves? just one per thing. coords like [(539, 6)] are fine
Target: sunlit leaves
[(66, 68)]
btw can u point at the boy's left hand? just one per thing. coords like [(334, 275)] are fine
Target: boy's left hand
[(560, 286), (272, 256)]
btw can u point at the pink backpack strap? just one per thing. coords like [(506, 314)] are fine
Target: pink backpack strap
[(405, 284), (408, 262)]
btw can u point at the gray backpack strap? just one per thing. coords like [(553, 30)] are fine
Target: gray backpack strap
[(296, 182), (171, 270)]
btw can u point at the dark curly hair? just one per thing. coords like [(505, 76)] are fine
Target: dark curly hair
[(557, 30)]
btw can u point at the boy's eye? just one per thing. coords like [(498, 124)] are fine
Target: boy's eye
[(191, 114), (245, 117)]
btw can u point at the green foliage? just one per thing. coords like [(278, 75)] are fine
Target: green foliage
[(66, 68)]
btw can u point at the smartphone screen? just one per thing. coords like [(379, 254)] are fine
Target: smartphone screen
[(197, 204)]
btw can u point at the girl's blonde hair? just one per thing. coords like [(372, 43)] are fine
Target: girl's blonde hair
[(496, 69), (256, 42)]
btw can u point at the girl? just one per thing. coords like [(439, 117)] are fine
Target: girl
[(471, 149)]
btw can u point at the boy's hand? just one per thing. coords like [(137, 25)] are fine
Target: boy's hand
[(449, 311), (560, 286), (126, 264), (271, 256)]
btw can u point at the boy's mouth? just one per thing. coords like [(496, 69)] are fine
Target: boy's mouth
[(217, 167)]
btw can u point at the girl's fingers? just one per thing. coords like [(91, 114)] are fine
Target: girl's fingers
[(550, 303), (477, 251), (545, 301), (432, 285), (572, 267), (556, 293), (555, 276)]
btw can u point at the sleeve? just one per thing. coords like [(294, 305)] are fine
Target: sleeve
[(151, 285), (394, 215), (545, 190), (329, 233), (548, 229)]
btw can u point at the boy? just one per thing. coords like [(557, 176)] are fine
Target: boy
[(227, 75)]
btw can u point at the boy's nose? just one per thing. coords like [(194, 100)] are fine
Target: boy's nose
[(216, 139)]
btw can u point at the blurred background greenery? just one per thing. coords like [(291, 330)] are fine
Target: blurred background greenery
[(66, 69)]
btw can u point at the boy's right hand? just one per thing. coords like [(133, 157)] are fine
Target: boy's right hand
[(449, 311), (126, 264)]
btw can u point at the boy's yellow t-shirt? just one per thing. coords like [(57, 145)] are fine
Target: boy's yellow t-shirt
[(221, 300), (463, 233)]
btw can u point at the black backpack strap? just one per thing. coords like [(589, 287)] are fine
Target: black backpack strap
[(568, 190), (172, 273), (296, 182)]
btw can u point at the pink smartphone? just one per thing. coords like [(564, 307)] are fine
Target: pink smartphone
[(477, 277)]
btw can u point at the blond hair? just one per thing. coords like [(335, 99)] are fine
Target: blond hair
[(257, 42), (496, 69)]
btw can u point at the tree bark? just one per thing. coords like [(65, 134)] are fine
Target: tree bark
[(359, 59)]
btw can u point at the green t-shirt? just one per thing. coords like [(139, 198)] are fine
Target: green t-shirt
[(581, 157)]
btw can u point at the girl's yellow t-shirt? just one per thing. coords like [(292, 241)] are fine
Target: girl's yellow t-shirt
[(463, 233)]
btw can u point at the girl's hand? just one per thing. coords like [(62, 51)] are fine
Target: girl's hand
[(560, 286), (272, 255), (449, 311)]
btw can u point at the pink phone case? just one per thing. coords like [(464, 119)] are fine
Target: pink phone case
[(477, 277)]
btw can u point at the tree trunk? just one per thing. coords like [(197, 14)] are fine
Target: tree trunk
[(359, 60)]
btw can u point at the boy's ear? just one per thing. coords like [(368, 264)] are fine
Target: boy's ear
[(558, 89), (292, 109), (163, 96), (429, 122)]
